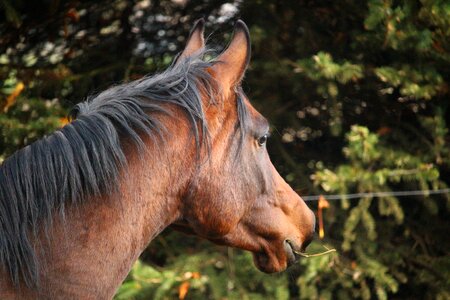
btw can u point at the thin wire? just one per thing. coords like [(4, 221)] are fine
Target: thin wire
[(378, 194)]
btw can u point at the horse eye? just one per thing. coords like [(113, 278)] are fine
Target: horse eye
[(262, 140)]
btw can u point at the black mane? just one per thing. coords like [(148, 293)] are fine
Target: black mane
[(84, 158)]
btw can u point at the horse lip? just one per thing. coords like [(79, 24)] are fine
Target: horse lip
[(292, 256)]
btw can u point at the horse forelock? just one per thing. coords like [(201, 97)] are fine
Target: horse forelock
[(85, 157)]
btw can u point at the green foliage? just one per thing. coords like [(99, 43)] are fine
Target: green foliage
[(322, 66), (373, 167), (423, 84), (327, 74), (214, 273), (28, 120)]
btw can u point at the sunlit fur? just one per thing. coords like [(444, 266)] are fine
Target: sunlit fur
[(178, 149), (84, 158)]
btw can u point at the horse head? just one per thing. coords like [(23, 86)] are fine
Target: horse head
[(237, 198)]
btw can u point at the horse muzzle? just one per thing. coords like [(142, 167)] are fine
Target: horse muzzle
[(292, 251)]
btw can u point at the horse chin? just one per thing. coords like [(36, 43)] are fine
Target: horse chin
[(268, 264), (271, 264)]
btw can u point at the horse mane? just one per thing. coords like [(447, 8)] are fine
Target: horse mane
[(85, 157)]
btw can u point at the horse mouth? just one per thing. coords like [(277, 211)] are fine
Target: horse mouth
[(291, 253), (268, 264)]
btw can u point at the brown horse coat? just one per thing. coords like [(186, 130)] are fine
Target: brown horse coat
[(195, 159)]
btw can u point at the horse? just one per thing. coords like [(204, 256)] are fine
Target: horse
[(183, 148)]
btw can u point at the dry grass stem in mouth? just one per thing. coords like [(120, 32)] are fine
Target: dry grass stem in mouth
[(315, 254)]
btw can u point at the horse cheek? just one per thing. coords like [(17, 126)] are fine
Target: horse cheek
[(213, 219), (212, 224)]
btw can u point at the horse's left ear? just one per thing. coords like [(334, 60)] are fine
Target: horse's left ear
[(232, 63), (195, 41)]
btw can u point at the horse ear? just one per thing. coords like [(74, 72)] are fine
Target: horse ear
[(233, 62), (195, 41)]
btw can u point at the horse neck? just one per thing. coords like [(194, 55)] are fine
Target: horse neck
[(92, 249)]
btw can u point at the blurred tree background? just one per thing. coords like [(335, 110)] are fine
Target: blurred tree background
[(358, 96)]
